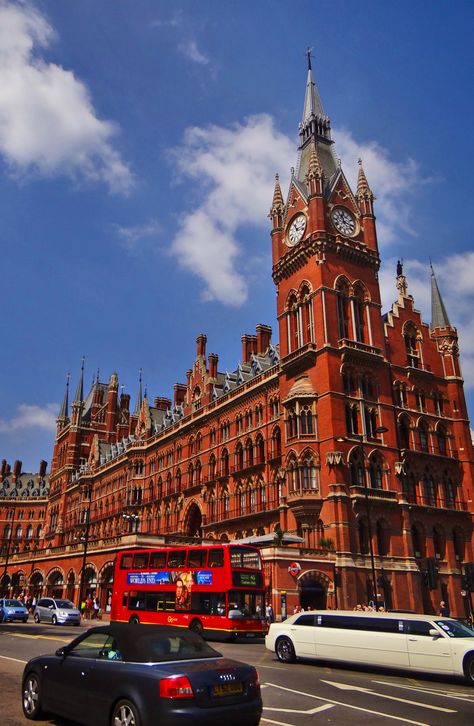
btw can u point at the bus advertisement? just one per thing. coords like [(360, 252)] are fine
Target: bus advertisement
[(215, 590)]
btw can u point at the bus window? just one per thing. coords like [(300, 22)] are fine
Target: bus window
[(126, 562), (216, 558), (245, 558), (197, 558), (140, 561), (177, 558), (158, 559)]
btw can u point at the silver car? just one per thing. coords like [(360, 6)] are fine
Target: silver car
[(54, 611)]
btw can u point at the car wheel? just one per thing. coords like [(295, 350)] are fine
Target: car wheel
[(125, 713), (31, 701), (54, 620), (25, 620), (469, 668), (36, 617), (134, 620), (284, 650), (196, 627)]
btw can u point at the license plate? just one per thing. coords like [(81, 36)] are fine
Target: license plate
[(227, 689)]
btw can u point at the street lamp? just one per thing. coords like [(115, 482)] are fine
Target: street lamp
[(6, 583), (84, 538), (133, 520), (361, 439)]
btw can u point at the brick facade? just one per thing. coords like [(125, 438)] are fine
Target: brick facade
[(350, 435)]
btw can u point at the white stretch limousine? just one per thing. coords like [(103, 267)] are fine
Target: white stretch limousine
[(393, 640)]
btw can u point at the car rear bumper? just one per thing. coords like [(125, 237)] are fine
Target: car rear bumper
[(237, 714)]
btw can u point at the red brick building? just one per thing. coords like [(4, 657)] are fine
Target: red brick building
[(344, 450)]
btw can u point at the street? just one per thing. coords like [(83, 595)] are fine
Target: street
[(293, 695)]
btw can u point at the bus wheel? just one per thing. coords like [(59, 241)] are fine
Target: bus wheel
[(134, 620), (196, 627)]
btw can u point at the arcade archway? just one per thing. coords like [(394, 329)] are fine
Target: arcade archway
[(313, 588)]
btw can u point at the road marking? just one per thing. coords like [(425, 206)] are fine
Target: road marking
[(309, 712), (278, 723), (17, 660), (431, 691), (349, 705), (361, 689), (40, 637)]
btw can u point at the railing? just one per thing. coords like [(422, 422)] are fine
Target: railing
[(359, 346), (437, 502), (372, 492)]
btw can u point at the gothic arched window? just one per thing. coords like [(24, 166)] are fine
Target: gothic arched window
[(356, 466), (342, 291)]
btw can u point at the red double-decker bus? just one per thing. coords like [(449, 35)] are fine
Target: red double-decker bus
[(215, 590)]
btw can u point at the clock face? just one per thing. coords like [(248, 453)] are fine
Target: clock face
[(344, 221), (296, 230)]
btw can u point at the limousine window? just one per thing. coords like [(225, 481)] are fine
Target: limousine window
[(454, 629), (417, 627), (377, 624), (305, 620)]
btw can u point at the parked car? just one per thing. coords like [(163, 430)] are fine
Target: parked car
[(11, 609), (124, 674), (405, 641), (54, 611)]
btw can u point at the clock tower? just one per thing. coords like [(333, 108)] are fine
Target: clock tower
[(325, 268)]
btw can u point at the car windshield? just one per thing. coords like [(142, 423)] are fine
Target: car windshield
[(64, 604), (13, 604), (455, 629)]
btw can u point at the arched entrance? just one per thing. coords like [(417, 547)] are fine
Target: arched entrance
[(55, 584), (193, 521), (313, 586), (36, 584), (106, 579)]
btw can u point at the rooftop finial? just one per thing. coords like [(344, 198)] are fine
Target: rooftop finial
[(309, 53)]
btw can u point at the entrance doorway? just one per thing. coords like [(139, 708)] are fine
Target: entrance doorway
[(312, 595)]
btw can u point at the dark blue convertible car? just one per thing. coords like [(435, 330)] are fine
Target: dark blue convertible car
[(141, 675)]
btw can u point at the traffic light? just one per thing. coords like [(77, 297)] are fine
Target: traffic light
[(432, 571), (424, 578)]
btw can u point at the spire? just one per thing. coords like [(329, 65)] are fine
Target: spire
[(315, 127), (312, 102), (64, 412), (439, 316), (315, 170), (79, 397), (363, 189), (278, 205), (139, 402)]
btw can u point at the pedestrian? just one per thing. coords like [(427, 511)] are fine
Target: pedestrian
[(443, 609), (89, 607), (269, 613), (95, 608)]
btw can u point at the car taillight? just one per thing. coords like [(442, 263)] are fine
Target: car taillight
[(255, 680), (177, 687)]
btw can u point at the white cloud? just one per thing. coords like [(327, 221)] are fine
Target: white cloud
[(48, 125), (190, 50), (31, 417), (454, 277), (234, 171), (132, 237), (390, 181)]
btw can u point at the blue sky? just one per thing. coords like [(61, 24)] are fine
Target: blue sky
[(139, 140)]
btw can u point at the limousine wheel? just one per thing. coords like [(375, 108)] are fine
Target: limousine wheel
[(469, 668), (284, 650)]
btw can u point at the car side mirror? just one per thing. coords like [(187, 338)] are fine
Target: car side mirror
[(434, 633), (61, 652)]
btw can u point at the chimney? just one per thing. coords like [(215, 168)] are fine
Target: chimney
[(248, 347), (4, 468), (124, 402), (179, 393), (201, 341), (42, 468), (264, 336), (162, 403), (17, 469), (213, 360)]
